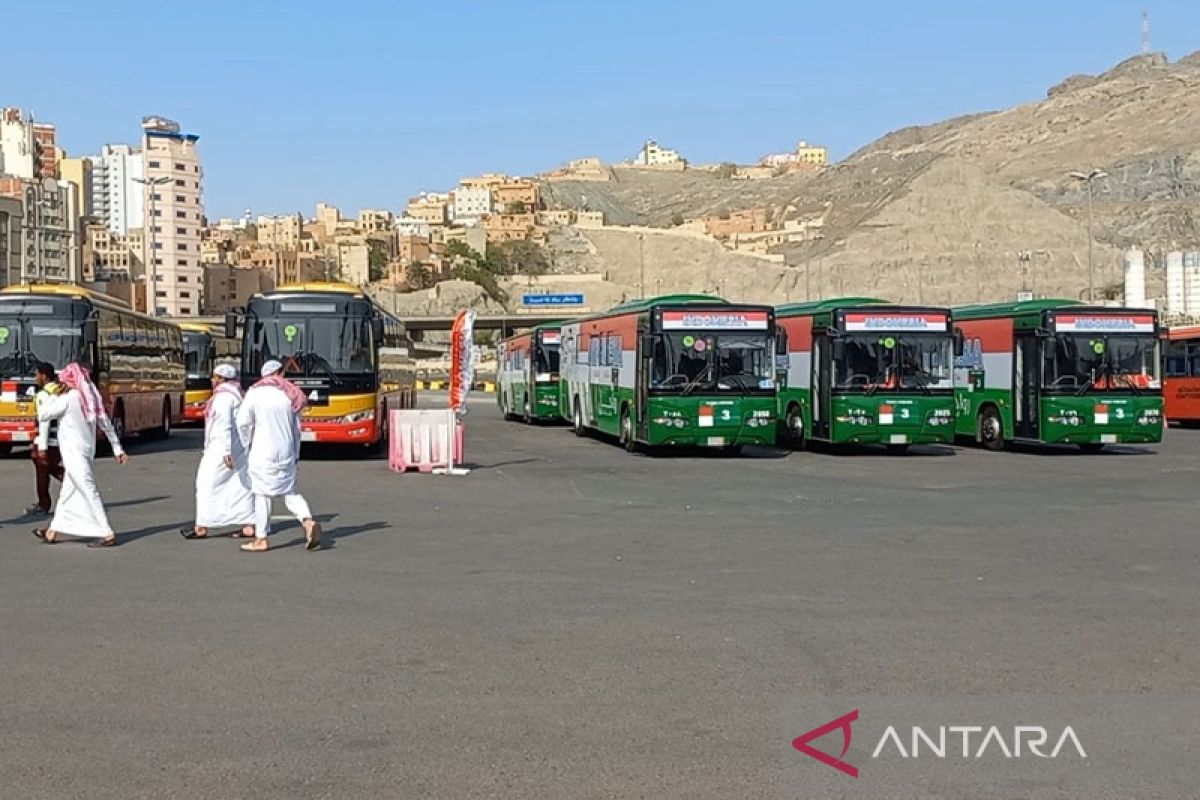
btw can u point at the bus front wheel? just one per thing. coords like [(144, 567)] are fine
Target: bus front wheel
[(794, 424), (627, 440), (991, 429), (527, 416)]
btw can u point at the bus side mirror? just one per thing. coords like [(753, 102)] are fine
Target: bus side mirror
[(959, 342), (231, 325), (377, 330), (647, 345), (91, 332)]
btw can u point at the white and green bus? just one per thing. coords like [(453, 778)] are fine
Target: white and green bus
[(676, 370), (527, 375)]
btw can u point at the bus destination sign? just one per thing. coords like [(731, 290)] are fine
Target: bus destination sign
[(891, 321), (715, 320), (1104, 323)]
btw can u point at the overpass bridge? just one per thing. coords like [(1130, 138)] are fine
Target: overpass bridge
[(418, 325)]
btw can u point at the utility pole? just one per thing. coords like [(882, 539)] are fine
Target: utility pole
[(1088, 179), (151, 266), (642, 264)]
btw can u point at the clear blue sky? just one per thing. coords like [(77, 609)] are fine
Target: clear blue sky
[(362, 104)]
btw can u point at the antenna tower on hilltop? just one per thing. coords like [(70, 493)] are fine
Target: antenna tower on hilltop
[(1145, 32)]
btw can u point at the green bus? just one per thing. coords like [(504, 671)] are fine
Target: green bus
[(687, 370), (1058, 372), (527, 375), (859, 370)]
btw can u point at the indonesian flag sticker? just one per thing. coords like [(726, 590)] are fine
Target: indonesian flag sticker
[(885, 414), (706, 417), (1102, 414)]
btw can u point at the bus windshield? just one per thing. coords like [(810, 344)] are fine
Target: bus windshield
[(893, 362), (312, 346), (198, 354), (546, 360), (1097, 363), (734, 362), (32, 332)]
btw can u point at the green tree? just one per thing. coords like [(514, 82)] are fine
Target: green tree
[(518, 207), (458, 249), (677, 219), (377, 262), (523, 258), (418, 276)]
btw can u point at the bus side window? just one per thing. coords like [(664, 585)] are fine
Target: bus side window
[(1176, 362), (1193, 358)]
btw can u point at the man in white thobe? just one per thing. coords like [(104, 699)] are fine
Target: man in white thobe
[(223, 496), (80, 511), (269, 419)]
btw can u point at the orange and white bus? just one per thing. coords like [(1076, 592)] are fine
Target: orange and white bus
[(137, 360), (1181, 375)]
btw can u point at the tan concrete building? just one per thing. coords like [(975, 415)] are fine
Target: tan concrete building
[(750, 220), (555, 217), (515, 196), (351, 257), (373, 220), (414, 248), (112, 256), (487, 180), (78, 171), (581, 169), (510, 227), (654, 155), (428, 209), (328, 218), (279, 231), (811, 154), (281, 263), (589, 219), (175, 210), (227, 287)]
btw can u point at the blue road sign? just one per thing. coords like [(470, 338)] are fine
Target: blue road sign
[(552, 300)]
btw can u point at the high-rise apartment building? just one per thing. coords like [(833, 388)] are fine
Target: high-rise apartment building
[(78, 171), (45, 139), (18, 148), (174, 216), (117, 198)]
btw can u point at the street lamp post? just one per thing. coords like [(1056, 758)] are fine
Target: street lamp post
[(152, 299), (1087, 180)]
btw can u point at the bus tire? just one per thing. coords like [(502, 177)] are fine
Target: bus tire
[(793, 423), (577, 419), (626, 431), (527, 416), (991, 428), (506, 408), (732, 449), (164, 429), (5, 449), (897, 449)]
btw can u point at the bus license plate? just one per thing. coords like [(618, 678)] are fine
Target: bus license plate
[(716, 441), (308, 436), (20, 436), (899, 438), (1108, 438)]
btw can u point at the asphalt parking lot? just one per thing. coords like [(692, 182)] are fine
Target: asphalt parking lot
[(571, 621)]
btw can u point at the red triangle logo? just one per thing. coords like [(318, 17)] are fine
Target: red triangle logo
[(842, 723)]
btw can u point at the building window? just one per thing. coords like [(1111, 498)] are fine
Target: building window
[(160, 293), (158, 212), (180, 215), (180, 198), (185, 310), (158, 245), (181, 246), (186, 295), (179, 166), (158, 262), (157, 229), (181, 262), (153, 164), (181, 231), (157, 196), (183, 278)]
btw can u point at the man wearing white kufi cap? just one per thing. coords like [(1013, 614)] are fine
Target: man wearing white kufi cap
[(223, 495), (269, 420)]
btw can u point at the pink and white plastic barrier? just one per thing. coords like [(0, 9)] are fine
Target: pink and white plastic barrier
[(419, 439)]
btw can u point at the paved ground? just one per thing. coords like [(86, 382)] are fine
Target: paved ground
[(571, 621)]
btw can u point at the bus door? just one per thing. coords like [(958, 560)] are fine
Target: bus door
[(641, 382), (1026, 380), (821, 384)]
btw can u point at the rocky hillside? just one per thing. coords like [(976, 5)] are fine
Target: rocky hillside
[(975, 207)]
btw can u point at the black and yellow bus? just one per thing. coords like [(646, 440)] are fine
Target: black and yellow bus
[(349, 355), (137, 360), (204, 346)]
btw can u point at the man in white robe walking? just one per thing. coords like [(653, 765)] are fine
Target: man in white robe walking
[(223, 496), (269, 419), (80, 511)]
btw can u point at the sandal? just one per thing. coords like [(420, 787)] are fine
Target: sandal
[(98, 543), (249, 547), (41, 534), (190, 534)]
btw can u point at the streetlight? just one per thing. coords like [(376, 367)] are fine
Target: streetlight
[(152, 300), (1087, 179)]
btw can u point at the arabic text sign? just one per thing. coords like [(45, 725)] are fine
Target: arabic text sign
[(552, 299)]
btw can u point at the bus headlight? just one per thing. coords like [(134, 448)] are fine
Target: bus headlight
[(358, 416)]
